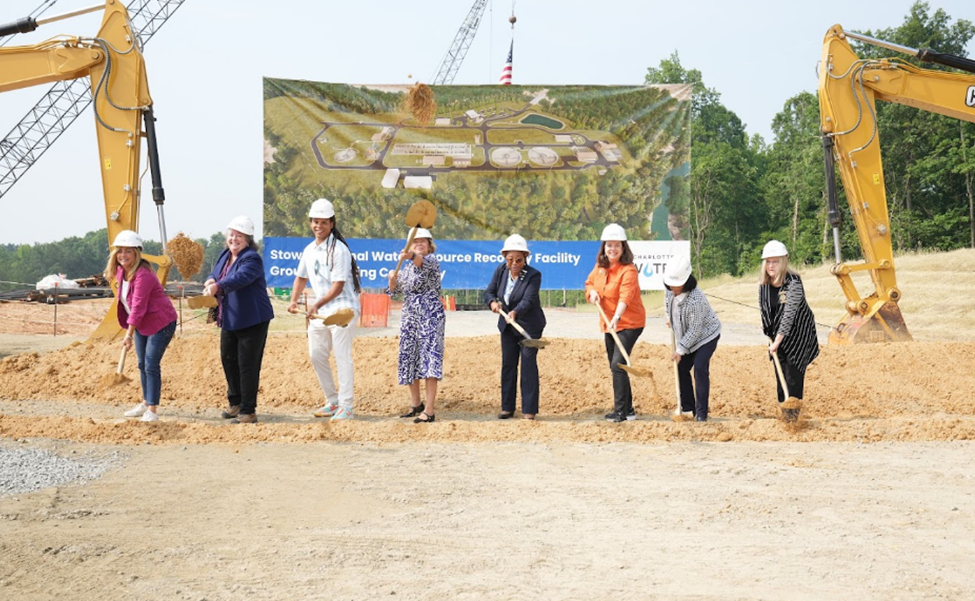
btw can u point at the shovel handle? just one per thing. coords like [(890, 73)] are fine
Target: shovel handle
[(619, 344), (673, 346), (778, 370), (121, 361), (409, 241), (514, 324)]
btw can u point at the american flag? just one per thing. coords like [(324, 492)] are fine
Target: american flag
[(506, 72)]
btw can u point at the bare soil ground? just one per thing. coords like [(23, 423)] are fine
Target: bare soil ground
[(869, 497)]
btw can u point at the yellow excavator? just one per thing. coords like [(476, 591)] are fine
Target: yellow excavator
[(848, 90), (114, 63)]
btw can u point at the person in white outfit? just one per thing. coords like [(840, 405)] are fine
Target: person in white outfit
[(327, 263)]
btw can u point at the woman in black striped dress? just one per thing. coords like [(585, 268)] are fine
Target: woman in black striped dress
[(786, 318)]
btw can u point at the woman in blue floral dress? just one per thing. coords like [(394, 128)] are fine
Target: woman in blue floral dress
[(422, 323)]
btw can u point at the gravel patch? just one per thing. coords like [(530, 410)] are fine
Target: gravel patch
[(26, 469)]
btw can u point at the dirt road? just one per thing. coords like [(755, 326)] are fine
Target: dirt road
[(502, 521)]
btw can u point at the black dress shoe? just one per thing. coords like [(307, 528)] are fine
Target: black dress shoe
[(425, 418), (414, 411), (506, 415)]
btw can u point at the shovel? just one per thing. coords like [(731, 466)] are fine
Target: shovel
[(629, 367), (528, 342), (792, 405), (118, 377), (421, 214), (341, 317)]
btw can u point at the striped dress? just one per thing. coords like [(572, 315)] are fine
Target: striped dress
[(791, 317)]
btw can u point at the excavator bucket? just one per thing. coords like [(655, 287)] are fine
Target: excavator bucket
[(885, 325)]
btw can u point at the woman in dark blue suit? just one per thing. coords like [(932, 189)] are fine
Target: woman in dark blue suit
[(243, 314), (514, 289)]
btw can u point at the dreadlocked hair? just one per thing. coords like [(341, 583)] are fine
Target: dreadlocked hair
[(355, 266)]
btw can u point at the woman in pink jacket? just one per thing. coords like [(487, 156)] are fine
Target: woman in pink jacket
[(145, 312)]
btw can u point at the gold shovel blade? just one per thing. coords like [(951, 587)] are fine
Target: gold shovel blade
[(534, 343), (342, 317), (201, 302), (421, 214), (640, 372)]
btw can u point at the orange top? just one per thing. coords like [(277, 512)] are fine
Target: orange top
[(614, 284)]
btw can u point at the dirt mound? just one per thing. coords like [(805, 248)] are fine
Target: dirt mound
[(866, 393)]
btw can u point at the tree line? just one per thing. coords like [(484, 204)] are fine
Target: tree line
[(81, 257), (743, 191)]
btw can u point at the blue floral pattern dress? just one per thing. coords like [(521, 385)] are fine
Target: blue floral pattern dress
[(422, 322)]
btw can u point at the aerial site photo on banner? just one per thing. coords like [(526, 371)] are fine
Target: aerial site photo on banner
[(554, 164)]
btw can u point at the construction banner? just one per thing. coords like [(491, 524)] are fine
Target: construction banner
[(554, 164)]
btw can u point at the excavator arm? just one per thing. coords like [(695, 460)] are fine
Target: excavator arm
[(114, 63), (848, 90)]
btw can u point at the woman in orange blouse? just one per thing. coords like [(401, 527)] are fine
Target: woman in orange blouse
[(614, 284)]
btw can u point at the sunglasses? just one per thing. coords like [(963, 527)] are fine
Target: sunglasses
[(517, 261)]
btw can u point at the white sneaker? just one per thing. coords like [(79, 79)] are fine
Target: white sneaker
[(689, 414), (150, 416), (329, 410), (342, 413), (136, 411)]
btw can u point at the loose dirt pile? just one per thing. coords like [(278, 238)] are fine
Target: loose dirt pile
[(902, 392), (187, 255)]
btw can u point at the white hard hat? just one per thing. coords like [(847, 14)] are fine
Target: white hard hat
[(242, 224), (774, 248), (613, 231), (422, 232), (128, 238), (678, 270), (321, 209), (515, 242)]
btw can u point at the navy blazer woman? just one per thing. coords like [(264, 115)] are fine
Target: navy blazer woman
[(244, 316), (243, 291), (525, 303)]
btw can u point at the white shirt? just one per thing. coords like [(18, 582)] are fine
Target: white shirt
[(321, 271), (123, 295)]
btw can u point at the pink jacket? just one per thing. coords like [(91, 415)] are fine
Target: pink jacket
[(151, 308)]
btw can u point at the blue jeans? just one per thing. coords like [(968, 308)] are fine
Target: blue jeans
[(149, 350)]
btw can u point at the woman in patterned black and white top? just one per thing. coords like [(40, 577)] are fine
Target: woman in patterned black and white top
[(786, 318), (696, 332), (422, 322)]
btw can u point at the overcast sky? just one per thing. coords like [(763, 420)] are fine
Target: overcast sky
[(206, 63)]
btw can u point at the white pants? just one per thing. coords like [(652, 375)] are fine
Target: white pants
[(322, 340)]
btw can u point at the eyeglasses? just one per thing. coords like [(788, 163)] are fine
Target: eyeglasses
[(517, 261)]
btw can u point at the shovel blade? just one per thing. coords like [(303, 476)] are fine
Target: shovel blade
[(534, 343), (421, 214), (790, 409), (342, 317), (201, 302), (640, 372)]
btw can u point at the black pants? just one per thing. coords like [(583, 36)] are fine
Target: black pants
[(242, 352), (622, 393), (794, 379), (511, 351), (695, 397)]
